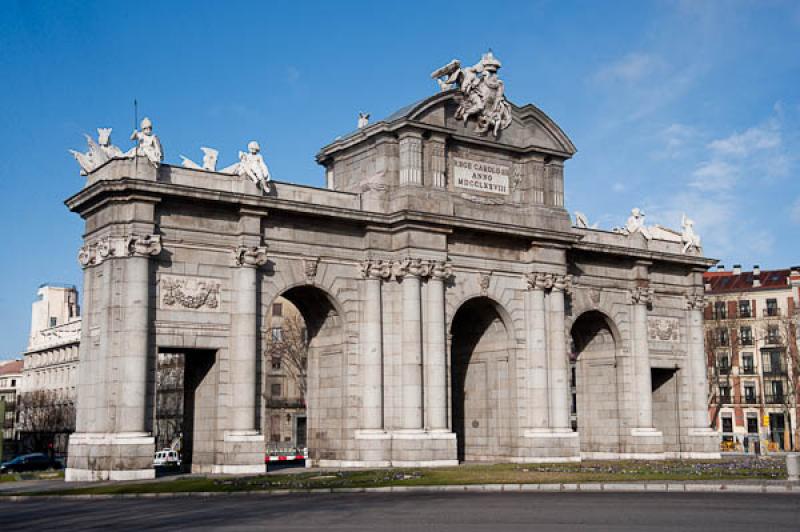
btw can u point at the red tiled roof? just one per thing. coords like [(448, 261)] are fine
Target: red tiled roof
[(11, 367), (722, 282)]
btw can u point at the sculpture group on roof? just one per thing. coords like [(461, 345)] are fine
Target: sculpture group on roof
[(483, 93), (251, 163), (688, 238)]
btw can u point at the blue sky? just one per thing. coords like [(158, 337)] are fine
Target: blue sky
[(674, 106)]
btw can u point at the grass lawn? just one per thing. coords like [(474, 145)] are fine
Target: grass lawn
[(589, 471), (34, 475)]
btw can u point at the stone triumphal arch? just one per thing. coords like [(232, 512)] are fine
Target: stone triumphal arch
[(445, 290)]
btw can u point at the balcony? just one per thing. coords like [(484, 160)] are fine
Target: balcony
[(724, 400), (774, 371), (746, 340), (775, 399), (772, 312), (751, 400), (747, 370), (724, 370)]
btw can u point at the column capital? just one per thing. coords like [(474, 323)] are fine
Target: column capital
[(144, 245), (641, 295), (397, 269), (695, 301), (250, 256), (549, 281), (109, 247)]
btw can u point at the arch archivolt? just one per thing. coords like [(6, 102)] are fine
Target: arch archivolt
[(504, 290)]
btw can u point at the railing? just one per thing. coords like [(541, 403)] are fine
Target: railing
[(746, 340), (751, 400), (719, 315), (748, 370), (724, 399), (775, 399), (724, 370), (780, 370), (745, 314), (773, 311)]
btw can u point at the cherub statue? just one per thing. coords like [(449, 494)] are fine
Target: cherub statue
[(147, 144), (251, 165), (689, 238), (363, 120), (209, 160), (635, 224)]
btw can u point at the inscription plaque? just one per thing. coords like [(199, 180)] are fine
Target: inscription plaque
[(480, 176)]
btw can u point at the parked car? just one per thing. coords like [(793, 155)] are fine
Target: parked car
[(167, 458), (30, 462)]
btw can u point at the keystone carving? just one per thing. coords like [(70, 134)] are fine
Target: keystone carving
[(641, 295), (250, 256), (310, 269), (485, 280)]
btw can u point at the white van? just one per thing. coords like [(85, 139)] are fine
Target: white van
[(167, 458)]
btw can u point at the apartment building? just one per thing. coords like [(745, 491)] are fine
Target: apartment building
[(752, 349)]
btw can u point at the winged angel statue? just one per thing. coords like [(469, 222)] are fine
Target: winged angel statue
[(483, 93)]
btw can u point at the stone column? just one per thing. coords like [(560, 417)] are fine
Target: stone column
[(373, 273), (132, 411), (697, 360), (435, 363), (642, 384), (243, 340), (558, 357), (411, 364), (410, 158), (438, 164), (538, 400)]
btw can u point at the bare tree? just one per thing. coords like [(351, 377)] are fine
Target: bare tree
[(290, 348), (718, 341), (43, 414), (786, 328)]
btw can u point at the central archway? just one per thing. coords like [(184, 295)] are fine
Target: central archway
[(303, 369), (596, 384), (481, 382)]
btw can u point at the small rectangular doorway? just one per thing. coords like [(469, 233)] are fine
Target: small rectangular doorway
[(185, 403)]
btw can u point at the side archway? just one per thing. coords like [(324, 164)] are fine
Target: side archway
[(595, 383), (304, 385), (482, 381)]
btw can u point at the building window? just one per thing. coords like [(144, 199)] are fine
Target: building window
[(724, 363), (752, 424), (277, 309), (53, 321), (275, 390), (748, 367), (744, 309), (746, 335), (724, 394), (276, 362), (722, 336), (772, 307), (750, 393), (13, 383), (773, 335), (727, 424), (277, 334), (720, 310)]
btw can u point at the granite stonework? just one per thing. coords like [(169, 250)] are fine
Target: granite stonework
[(440, 311)]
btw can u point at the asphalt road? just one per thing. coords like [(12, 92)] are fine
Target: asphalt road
[(447, 512)]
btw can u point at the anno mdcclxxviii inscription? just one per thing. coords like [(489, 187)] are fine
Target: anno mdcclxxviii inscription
[(481, 176)]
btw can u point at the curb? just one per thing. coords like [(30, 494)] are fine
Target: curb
[(597, 487)]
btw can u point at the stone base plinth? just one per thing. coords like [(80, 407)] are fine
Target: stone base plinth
[(242, 454), (418, 448), (701, 443), (642, 444), (547, 446), (110, 456)]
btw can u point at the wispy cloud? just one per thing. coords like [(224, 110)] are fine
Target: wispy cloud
[(752, 140), (631, 68)]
